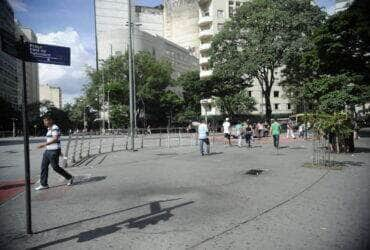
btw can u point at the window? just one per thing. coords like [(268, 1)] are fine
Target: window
[(276, 106), (250, 93), (276, 93), (220, 13), (205, 13), (289, 106), (220, 26)]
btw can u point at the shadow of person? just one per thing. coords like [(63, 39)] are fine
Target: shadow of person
[(81, 181)]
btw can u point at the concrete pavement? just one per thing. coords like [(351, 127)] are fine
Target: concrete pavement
[(176, 199)]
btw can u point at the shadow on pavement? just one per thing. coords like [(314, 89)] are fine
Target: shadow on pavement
[(156, 214), (350, 163), (82, 181), (362, 150)]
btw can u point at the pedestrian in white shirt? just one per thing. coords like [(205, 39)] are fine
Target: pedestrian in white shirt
[(226, 126), (203, 137), (51, 154)]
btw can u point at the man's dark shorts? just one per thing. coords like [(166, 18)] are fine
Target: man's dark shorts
[(227, 136)]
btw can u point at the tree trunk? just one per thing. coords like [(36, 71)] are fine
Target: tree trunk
[(268, 106)]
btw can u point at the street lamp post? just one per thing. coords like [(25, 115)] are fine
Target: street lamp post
[(131, 82)]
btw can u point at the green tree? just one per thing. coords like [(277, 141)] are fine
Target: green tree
[(194, 90), (152, 77), (258, 39), (239, 103)]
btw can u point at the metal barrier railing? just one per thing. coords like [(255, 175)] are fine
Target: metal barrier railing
[(322, 155), (84, 145)]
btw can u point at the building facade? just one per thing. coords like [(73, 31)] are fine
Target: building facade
[(52, 94), (212, 16), (8, 63), (112, 34), (341, 5), (180, 19), (32, 69)]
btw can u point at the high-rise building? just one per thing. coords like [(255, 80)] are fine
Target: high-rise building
[(32, 69), (8, 64), (52, 94), (212, 16), (341, 5), (112, 34), (180, 19)]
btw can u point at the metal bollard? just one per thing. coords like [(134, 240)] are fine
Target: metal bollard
[(89, 145), (75, 149), (81, 145), (168, 138), (179, 137), (160, 137), (65, 157), (142, 138), (112, 149), (100, 145)]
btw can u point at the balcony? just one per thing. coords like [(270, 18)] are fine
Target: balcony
[(204, 20), (205, 73), (205, 33), (204, 47), (203, 60)]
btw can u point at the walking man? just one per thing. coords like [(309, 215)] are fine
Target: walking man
[(226, 126), (51, 154), (275, 131), (203, 137)]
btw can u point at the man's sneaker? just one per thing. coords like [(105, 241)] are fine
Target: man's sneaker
[(70, 181), (41, 187)]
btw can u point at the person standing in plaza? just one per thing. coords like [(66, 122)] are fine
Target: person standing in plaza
[(275, 131), (290, 131), (248, 134), (51, 154), (239, 133), (226, 126), (203, 137)]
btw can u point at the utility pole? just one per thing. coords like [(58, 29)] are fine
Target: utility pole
[(131, 82)]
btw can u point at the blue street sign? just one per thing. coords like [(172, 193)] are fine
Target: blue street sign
[(43, 53)]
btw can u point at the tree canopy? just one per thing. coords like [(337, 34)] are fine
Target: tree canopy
[(259, 38)]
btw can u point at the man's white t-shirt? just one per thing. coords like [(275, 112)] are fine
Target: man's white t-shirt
[(202, 131), (54, 131), (226, 126)]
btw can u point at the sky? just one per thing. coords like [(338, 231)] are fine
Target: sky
[(70, 23)]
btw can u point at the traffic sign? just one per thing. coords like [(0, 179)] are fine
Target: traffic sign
[(50, 54)]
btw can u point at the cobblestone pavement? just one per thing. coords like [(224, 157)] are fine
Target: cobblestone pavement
[(176, 199)]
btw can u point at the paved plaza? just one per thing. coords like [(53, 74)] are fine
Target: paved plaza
[(173, 198)]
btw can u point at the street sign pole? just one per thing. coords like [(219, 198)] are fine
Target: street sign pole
[(26, 144), (131, 82)]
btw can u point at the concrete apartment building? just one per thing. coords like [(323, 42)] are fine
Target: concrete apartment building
[(8, 64), (212, 16), (180, 19), (32, 69), (112, 34), (52, 94), (341, 5), (11, 73)]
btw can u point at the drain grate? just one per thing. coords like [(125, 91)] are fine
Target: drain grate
[(254, 171)]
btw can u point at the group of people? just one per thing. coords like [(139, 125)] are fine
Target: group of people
[(245, 130)]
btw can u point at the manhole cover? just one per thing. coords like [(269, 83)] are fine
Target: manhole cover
[(254, 171)]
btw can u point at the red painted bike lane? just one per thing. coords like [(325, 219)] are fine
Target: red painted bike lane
[(9, 189)]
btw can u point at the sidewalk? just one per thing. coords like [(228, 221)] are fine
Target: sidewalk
[(176, 199)]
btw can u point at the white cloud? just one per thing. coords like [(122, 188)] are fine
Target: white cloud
[(69, 78), (18, 5)]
